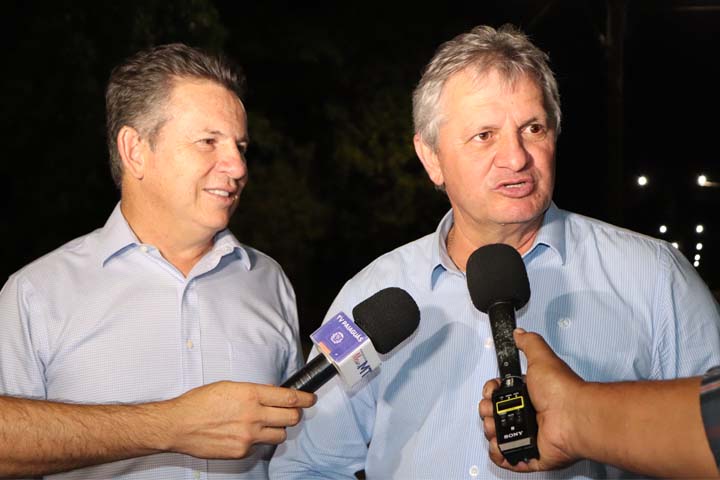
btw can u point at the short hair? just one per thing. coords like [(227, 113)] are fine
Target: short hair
[(140, 87), (506, 50)]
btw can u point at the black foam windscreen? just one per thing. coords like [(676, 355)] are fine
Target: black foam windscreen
[(496, 273), (388, 317)]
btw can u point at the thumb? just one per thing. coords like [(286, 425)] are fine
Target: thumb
[(532, 344)]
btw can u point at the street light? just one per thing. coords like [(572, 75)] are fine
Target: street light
[(703, 181)]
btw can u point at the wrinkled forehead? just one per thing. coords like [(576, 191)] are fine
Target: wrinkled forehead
[(489, 83)]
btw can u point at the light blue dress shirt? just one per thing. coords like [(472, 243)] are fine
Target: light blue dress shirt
[(614, 304), (106, 319)]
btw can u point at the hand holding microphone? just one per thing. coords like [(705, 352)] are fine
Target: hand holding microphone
[(225, 419), (554, 388)]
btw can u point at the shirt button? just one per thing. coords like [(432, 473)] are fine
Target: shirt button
[(143, 248), (189, 344), (474, 471), (488, 343), (564, 322)]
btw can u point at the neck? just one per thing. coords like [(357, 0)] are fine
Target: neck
[(463, 239), (178, 246)]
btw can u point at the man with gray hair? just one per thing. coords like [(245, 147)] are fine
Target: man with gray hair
[(616, 305), (148, 345)]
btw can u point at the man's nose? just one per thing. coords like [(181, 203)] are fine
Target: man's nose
[(233, 163), (511, 153)]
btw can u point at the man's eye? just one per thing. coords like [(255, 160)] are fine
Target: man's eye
[(208, 141), (535, 129), (482, 136), (242, 148)]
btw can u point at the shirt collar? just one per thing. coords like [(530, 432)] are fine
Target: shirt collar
[(550, 235), (440, 259), (225, 243), (116, 237)]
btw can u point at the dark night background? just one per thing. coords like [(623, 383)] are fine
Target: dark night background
[(334, 178)]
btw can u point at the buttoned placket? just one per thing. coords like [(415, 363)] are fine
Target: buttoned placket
[(192, 359)]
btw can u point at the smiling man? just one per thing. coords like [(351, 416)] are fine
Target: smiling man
[(616, 305), (142, 348)]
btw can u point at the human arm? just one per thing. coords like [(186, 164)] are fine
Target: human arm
[(220, 420), (653, 427)]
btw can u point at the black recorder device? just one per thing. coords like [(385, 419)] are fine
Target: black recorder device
[(498, 286), (515, 423)]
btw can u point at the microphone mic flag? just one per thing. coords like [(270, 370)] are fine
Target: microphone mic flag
[(382, 322), (498, 285)]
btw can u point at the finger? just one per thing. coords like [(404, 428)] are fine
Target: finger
[(533, 345), (486, 408), (489, 387), (534, 465), (271, 435), (521, 467), (281, 416), (496, 456), (270, 396), (538, 352), (499, 459), (489, 428)]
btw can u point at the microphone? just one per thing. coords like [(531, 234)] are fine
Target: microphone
[(382, 322), (498, 285)]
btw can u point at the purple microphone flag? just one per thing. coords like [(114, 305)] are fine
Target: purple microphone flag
[(338, 337)]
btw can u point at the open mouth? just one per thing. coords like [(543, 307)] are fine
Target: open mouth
[(224, 196), (221, 193), (517, 188)]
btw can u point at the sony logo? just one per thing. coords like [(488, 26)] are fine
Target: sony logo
[(512, 435)]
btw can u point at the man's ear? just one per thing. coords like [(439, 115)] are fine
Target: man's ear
[(132, 152), (429, 159)]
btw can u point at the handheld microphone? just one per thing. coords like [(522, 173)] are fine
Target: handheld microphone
[(498, 285), (382, 322)]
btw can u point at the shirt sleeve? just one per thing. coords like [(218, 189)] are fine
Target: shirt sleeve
[(710, 407), (22, 340), (688, 331), (332, 439)]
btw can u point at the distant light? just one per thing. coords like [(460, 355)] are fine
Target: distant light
[(699, 229), (663, 228), (702, 180), (642, 180), (697, 257), (698, 246), (675, 244), (696, 264)]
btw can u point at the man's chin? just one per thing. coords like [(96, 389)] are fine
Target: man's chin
[(519, 216), (217, 223)]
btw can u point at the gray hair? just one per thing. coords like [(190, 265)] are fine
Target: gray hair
[(139, 89), (506, 50)]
